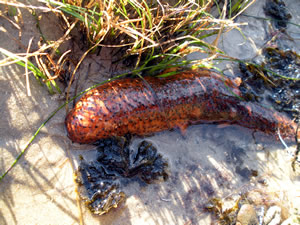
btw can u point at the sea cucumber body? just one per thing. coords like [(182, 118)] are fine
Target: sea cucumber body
[(142, 107)]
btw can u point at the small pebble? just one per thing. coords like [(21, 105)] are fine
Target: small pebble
[(247, 215), (259, 147), (292, 220), (273, 216)]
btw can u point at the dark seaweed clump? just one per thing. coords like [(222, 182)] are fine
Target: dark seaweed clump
[(101, 181), (276, 9), (277, 80)]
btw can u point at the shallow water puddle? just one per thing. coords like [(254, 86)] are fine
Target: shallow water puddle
[(208, 163)]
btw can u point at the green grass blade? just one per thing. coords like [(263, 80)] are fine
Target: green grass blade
[(38, 74)]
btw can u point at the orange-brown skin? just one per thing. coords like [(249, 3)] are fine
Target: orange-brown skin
[(140, 107)]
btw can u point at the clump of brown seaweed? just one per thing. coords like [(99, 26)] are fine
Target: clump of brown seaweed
[(224, 216), (281, 91), (101, 181)]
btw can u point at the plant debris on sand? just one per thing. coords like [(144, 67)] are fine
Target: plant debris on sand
[(147, 35)]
